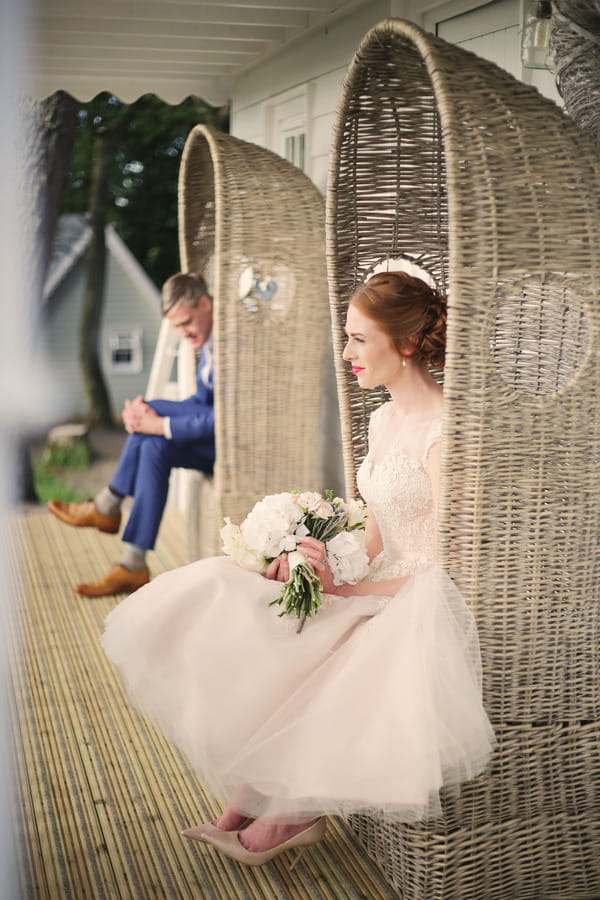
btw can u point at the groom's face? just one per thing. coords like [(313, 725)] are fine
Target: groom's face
[(194, 323)]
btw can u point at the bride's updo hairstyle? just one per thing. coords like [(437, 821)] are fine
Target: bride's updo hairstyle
[(409, 311)]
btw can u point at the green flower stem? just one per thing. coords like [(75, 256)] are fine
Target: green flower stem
[(325, 529), (301, 595)]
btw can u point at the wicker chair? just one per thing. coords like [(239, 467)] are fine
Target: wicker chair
[(253, 224), (442, 157)]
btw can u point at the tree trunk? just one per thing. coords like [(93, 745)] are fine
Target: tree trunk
[(50, 135), (99, 410), (98, 399), (60, 114)]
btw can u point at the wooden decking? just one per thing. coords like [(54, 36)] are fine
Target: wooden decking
[(102, 796)]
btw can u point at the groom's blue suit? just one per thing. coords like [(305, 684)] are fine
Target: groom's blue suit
[(147, 459)]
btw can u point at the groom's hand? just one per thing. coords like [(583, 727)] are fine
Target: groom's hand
[(139, 417)]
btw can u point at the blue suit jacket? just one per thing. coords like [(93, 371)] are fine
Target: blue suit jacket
[(193, 419)]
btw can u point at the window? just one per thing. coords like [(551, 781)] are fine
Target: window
[(287, 118), (126, 350), (294, 148)]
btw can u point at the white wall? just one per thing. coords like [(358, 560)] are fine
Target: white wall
[(492, 31), (131, 301), (61, 335), (310, 72), (313, 69)]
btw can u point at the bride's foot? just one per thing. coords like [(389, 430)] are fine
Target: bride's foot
[(261, 836), (230, 842), (230, 820)]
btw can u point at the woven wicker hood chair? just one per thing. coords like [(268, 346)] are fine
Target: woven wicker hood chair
[(442, 157), (253, 225)]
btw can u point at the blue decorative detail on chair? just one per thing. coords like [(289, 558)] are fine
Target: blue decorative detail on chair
[(265, 289)]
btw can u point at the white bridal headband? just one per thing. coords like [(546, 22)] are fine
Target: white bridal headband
[(403, 264)]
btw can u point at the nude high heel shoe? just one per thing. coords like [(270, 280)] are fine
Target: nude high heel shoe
[(228, 843), (199, 832)]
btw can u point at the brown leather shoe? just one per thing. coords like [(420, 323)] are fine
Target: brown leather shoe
[(84, 515), (118, 581)]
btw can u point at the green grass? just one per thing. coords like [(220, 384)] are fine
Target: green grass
[(50, 486), (50, 473), (76, 456)]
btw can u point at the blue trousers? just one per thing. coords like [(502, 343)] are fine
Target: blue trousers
[(143, 473)]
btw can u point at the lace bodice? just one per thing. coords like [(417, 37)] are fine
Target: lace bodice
[(396, 488)]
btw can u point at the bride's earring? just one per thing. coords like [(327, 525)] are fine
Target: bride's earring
[(403, 362)]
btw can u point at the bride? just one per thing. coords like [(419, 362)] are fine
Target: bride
[(376, 704)]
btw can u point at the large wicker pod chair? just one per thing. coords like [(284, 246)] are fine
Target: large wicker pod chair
[(444, 158), (253, 224)]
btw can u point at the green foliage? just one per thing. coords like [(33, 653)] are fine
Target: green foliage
[(50, 472), (144, 172), (50, 486), (67, 456)]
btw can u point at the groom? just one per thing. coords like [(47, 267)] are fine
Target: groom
[(163, 434)]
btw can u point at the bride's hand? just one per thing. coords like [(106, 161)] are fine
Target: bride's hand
[(279, 569), (316, 553)]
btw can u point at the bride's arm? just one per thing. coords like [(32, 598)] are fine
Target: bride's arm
[(374, 545), (316, 553), (279, 570), (365, 588), (432, 467), (373, 539)]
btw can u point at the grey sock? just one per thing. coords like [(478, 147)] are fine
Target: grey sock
[(133, 557), (107, 502)]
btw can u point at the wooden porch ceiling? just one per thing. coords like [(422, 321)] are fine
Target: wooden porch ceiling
[(101, 797), (173, 48)]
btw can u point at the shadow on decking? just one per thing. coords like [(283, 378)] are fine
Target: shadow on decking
[(102, 796)]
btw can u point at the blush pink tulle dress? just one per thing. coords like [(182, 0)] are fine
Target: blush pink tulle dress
[(372, 708)]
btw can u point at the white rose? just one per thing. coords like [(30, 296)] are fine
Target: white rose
[(357, 513), (309, 500), (347, 557), (235, 547), (324, 510), (230, 534)]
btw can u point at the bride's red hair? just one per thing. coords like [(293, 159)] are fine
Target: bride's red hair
[(409, 311)]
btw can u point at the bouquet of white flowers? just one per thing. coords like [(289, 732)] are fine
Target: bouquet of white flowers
[(279, 521)]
